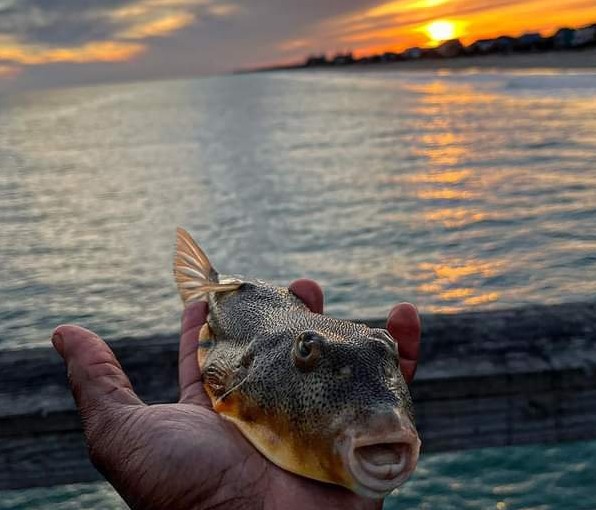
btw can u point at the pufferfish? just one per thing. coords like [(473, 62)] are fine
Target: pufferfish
[(319, 397)]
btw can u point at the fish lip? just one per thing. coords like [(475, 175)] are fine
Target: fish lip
[(368, 478)]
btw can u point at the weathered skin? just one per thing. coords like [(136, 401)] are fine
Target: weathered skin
[(318, 396)]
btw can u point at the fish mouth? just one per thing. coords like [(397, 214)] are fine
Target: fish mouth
[(380, 463)]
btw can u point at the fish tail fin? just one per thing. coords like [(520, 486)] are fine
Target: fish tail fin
[(194, 274)]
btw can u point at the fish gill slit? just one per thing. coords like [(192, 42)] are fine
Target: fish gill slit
[(232, 389)]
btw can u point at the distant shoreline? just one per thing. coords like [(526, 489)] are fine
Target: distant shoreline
[(571, 59)]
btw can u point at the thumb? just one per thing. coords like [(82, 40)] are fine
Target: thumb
[(96, 377)]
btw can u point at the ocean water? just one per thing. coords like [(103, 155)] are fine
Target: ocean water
[(515, 478), (454, 191)]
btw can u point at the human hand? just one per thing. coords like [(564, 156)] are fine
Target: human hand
[(184, 455)]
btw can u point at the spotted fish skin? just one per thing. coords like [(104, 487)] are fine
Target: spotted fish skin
[(255, 327), (317, 416)]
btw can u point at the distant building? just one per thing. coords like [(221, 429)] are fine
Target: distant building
[(429, 53), (563, 38), (412, 53), (505, 44), (389, 57), (343, 59), (584, 36), (529, 42), (450, 49), (482, 46), (316, 61), (548, 43)]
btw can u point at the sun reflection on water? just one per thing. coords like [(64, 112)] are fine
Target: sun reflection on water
[(444, 194), (458, 283), (454, 195), (452, 192), (456, 217), (446, 177)]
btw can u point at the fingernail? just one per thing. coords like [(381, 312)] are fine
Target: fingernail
[(58, 342)]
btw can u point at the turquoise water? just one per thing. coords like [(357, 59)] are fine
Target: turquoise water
[(453, 191), (514, 478)]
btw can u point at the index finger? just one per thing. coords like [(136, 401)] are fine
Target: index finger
[(404, 326), (189, 372)]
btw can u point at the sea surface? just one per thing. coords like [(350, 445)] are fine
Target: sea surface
[(452, 190)]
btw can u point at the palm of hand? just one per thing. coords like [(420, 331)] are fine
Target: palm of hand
[(204, 462), (185, 455)]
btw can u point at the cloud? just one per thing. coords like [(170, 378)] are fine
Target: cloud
[(84, 41), (57, 22), (74, 41), (103, 51), (36, 32), (158, 27)]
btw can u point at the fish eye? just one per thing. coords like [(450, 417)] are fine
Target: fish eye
[(307, 349)]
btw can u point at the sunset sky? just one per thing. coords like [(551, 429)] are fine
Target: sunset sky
[(55, 42)]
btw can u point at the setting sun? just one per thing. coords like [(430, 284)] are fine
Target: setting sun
[(440, 30)]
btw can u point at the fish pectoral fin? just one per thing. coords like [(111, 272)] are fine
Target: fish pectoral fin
[(194, 274)]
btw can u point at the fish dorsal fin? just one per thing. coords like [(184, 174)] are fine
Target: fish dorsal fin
[(193, 272)]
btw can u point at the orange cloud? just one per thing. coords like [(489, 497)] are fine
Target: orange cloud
[(159, 27), (106, 51), (224, 9), (294, 44), (176, 3), (144, 7), (399, 7)]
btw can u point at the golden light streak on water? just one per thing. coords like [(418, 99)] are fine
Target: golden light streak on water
[(456, 294), (456, 217), (444, 194), (458, 282), (446, 177)]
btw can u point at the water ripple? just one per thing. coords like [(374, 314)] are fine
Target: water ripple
[(366, 183)]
